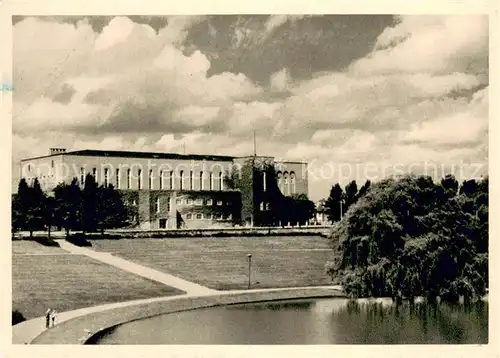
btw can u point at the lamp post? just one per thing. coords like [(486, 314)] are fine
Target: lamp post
[(249, 269)]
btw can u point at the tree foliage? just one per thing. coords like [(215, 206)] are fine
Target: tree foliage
[(410, 237)]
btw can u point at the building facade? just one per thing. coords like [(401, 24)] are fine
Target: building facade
[(168, 190)]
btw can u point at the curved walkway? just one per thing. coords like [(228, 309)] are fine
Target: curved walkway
[(34, 331)]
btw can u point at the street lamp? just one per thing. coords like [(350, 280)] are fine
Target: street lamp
[(249, 269)]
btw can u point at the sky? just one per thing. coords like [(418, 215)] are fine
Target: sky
[(355, 96)]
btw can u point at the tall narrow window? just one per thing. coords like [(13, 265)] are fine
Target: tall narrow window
[(202, 184), (221, 180), (157, 205), (171, 180), (151, 184), (118, 184), (169, 204), (162, 185), (279, 178), (129, 179), (292, 182), (191, 180), (139, 179), (106, 177), (181, 180), (211, 181), (286, 187), (264, 184), (82, 176), (94, 173)]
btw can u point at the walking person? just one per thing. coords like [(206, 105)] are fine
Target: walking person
[(47, 317), (53, 316)]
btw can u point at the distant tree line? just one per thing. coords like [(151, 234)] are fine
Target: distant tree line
[(340, 200), (408, 237), (93, 208)]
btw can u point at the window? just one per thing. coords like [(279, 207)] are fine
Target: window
[(211, 181), (292, 182), (264, 184), (181, 181), (162, 184), (169, 205), (82, 176), (151, 184), (202, 184), (210, 216), (189, 216), (262, 206), (118, 178), (171, 180), (129, 179), (198, 202), (29, 167), (157, 205), (139, 179), (219, 217), (199, 216), (219, 202), (210, 202), (286, 187), (94, 173), (189, 201), (178, 202), (279, 177), (221, 178), (106, 177), (191, 180), (52, 164)]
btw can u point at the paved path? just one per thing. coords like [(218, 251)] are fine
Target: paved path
[(25, 332), (155, 275)]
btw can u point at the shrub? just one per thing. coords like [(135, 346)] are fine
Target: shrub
[(79, 240), (17, 317)]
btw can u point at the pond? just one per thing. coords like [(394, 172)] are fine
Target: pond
[(311, 321)]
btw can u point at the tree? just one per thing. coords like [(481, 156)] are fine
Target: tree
[(68, 199), (29, 207), (351, 191), (362, 191), (402, 239), (90, 204), (111, 211), (333, 203)]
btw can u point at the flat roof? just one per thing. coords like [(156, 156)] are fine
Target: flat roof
[(132, 154)]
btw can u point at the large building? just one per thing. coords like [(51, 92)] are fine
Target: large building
[(168, 190)]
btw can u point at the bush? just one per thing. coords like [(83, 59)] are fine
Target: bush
[(79, 240), (17, 317), (46, 241)]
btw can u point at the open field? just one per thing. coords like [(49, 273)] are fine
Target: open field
[(221, 263), (48, 277)]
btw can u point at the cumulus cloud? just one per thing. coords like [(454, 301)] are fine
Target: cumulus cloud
[(420, 95)]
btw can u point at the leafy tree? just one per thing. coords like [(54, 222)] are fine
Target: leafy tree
[(333, 203), (90, 204), (68, 199), (409, 236), (362, 191), (351, 191), (29, 207), (111, 211)]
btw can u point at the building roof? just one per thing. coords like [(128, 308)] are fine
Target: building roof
[(144, 155)]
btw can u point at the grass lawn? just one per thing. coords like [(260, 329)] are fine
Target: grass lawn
[(221, 263), (49, 277)]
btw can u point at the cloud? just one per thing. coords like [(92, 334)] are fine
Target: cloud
[(420, 96), (432, 44)]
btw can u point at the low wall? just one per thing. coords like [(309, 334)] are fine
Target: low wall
[(205, 232), (89, 328)]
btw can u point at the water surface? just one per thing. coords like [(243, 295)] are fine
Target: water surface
[(311, 321)]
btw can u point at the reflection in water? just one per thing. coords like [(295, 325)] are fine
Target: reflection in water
[(322, 321)]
